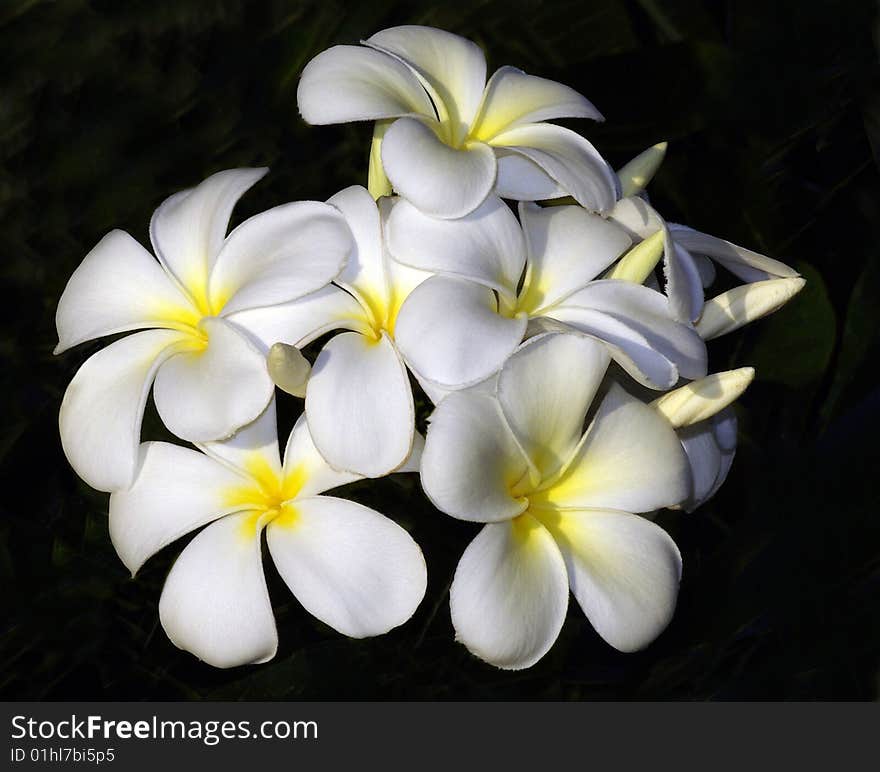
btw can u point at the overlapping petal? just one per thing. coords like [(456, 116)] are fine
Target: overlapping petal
[(188, 229), (648, 312), (353, 83), (509, 595), (215, 603), (472, 463), (452, 68), (744, 263), (485, 246), (207, 394), (629, 459), (567, 248), (176, 491), (545, 390), (361, 384), (280, 255), (349, 566), (119, 286), (102, 409), (440, 180), (460, 348), (303, 320), (512, 98), (568, 158), (520, 179), (623, 570), (302, 459)]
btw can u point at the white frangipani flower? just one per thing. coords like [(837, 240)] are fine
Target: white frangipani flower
[(447, 137), (349, 566), (208, 365), (359, 401), (561, 250), (687, 253), (557, 504)]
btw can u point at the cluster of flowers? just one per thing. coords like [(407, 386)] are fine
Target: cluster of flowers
[(571, 392)]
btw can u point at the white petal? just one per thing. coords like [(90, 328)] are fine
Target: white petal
[(523, 180), (630, 459), (684, 283), (117, 287), (188, 229), (704, 457), (638, 217), (513, 98), (215, 603), (623, 570), (349, 566), (359, 405), (176, 491), (510, 594), (471, 461), (366, 273), (351, 83), (302, 321), (450, 332), (627, 345), (731, 256), (568, 158), (279, 256), (453, 67), (567, 248), (254, 442), (485, 246), (100, 417), (207, 395), (710, 447), (648, 312), (438, 179), (302, 459), (545, 390)]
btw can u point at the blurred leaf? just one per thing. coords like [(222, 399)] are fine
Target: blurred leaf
[(796, 343), (860, 332)]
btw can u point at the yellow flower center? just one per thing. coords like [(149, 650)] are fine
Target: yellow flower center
[(267, 495)]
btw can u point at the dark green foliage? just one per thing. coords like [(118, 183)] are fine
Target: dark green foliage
[(773, 118)]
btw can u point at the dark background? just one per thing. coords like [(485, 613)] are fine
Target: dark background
[(773, 118)]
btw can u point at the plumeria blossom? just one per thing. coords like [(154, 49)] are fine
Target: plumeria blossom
[(504, 281), (447, 137), (208, 363), (359, 401), (557, 504), (688, 255), (349, 566)]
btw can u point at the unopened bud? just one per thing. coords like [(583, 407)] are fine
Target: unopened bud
[(635, 175), (637, 264), (288, 368), (703, 398), (732, 309)]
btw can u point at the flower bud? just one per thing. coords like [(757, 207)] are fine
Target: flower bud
[(288, 368), (732, 309), (637, 264), (635, 175), (703, 398)]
